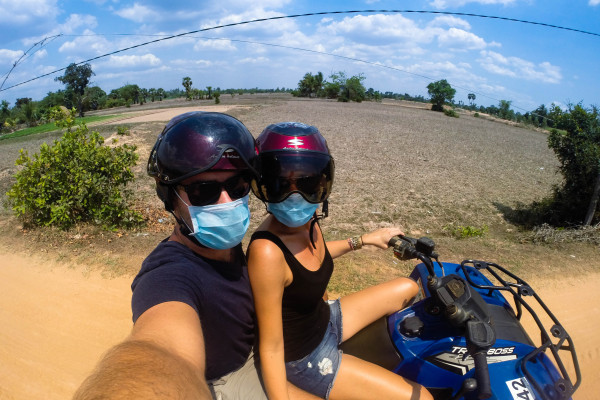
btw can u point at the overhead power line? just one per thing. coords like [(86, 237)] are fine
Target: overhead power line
[(299, 16), (26, 55)]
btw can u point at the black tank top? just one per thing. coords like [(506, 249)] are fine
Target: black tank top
[(305, 314)]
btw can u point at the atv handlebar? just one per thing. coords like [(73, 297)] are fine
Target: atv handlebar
[(407, 248), (464, 307)]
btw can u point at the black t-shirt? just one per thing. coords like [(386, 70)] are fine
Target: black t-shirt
[(219, 291)]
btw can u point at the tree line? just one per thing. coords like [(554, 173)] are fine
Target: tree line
[(81, 95)]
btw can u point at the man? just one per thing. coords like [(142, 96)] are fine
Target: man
[(192, 304)]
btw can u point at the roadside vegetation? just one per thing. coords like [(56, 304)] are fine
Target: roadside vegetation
[(75, 180), (51, 126)]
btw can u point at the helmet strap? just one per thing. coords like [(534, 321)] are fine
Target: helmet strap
[(315, 220), (184, 228)]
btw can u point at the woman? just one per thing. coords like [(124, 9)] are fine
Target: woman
[(290, 265)]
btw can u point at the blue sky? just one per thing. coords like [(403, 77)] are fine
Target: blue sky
[(496, 59)]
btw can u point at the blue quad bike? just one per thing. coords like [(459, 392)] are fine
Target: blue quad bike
[(462, 339)]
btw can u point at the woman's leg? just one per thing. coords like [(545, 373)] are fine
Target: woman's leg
[(362, 308), (359, 379)]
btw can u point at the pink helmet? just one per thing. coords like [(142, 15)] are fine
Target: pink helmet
[(293, 158)]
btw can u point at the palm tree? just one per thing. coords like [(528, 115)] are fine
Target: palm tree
[(471, 97), (187, 84)]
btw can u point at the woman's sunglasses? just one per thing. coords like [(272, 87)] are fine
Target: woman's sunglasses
[(310, 174), (203, 193)]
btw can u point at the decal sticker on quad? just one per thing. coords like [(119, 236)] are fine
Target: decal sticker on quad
[(458, 362), (520, 389)]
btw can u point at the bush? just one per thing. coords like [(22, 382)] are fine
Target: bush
[(77, 179), (576, 142), (463, 232), (123, 130), (548, 234), (450, 113), (110, 103)]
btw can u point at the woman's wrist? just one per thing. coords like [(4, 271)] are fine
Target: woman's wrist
[(355, 242)]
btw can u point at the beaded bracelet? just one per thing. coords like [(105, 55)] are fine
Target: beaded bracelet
[(355, 242)]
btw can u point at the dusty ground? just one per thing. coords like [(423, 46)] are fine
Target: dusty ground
[(64, 297), (57, 322)]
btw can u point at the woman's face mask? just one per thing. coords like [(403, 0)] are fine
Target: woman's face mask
[(293, 211)]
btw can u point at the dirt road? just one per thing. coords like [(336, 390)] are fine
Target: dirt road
[(56, 322)]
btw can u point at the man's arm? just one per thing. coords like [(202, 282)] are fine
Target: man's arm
[(162, 359)]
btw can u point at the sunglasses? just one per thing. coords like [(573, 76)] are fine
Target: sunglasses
[(312, 188), (282, 175), (203, 193)]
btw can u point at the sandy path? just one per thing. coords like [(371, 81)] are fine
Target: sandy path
[(166, 114), (56, 322)]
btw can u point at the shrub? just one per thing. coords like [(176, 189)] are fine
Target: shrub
[(548, 234), (110, 103), (576, 142), (123, 130), (463, 232), (451, 113), (77, 179)]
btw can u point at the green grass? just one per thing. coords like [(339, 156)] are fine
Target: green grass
[(52, 127)]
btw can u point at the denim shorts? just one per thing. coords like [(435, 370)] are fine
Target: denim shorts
[(316, 372)]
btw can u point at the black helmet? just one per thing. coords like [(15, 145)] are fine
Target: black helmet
[(197, 141)]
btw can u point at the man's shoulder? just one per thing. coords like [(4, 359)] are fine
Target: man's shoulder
[(168, 255)]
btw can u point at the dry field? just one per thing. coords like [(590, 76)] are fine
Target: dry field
[(397, 163)]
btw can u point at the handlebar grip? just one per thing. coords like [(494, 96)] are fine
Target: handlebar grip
[(482, 375), (392, 242)]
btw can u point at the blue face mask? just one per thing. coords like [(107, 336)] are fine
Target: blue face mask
[(293, 211), (221, 226)]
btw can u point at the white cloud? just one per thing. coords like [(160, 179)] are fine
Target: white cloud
[(40, 55), (188, 63), (256, 4), (100, 2), (460, 39), (378, 27), (76, 21), (459, 3), (253, 60), (213, 44), (515, 67), (71, 26), (594, 2), (134, 61), (450, 21), (274, 27), (445, 68), (86, 45), (138, 13), (9, 57), (24, 12)]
